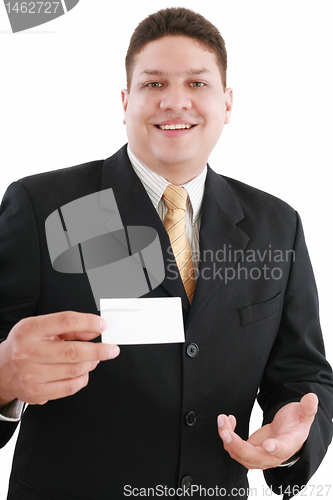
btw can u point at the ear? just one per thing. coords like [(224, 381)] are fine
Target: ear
[(124, 100), (228, 98)]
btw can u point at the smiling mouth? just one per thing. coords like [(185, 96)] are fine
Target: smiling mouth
[(175, 126)]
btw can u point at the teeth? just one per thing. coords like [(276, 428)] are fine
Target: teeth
[(177, 126)]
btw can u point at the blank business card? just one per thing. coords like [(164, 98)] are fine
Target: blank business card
[(143, 321)]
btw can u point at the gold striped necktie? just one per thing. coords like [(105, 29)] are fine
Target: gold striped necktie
[(175, 198)]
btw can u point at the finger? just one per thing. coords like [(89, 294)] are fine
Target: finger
[(62, 323), (223, 423), (56, 390), (78, 336), (279, 448), (233, 421), (54, 352), (43, 374), (309, 405), (251, 457), (226, 422), (257, 438), (236, 446)]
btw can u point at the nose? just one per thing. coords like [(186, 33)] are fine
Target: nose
[(175, 99)]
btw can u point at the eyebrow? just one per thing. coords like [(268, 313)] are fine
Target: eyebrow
[(189, 72)]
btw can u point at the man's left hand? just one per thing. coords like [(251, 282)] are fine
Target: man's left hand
[(274, 443)]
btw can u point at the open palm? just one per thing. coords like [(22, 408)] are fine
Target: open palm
[(273, 443)]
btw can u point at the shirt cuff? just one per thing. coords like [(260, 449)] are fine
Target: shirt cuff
[(13, 411), (290, 462)]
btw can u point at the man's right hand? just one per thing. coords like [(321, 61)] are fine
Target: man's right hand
[(41, 359)]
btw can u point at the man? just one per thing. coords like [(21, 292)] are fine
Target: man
[(165, 416)]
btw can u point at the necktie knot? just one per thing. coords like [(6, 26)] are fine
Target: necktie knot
[(175, 197)]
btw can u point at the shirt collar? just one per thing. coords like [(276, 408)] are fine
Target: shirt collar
[(155, 184)]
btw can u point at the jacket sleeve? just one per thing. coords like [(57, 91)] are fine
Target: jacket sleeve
[(19, 268), (296, 366)]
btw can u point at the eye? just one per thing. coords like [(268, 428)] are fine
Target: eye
[(154, 85), (197, 84)]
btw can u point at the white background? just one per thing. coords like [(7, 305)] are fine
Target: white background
[(60, 106)]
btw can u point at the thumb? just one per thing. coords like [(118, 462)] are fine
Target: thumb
[(309, 405)]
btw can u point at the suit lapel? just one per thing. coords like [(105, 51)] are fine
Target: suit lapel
[(136, 209), (221, 241)]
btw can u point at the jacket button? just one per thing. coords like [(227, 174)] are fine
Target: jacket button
[(192, 350), (186, 482), (190, 418)]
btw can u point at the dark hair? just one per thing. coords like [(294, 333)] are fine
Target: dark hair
[(176, 21)]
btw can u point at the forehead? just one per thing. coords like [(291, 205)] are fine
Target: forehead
[(175, 55)]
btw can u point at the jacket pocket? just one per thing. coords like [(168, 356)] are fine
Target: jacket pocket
[(34, 493), (257, 312)]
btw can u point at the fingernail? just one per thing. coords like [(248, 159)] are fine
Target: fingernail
[(113, 351), (270, 447), (102, 324), (220, 421), (226, 436)]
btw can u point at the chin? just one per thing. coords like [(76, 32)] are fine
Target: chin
[(174, 162), (170, 158)]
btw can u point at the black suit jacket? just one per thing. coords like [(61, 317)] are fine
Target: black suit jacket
[(254, 318)]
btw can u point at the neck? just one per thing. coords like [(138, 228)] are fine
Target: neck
[(174, 173), (177, 178)]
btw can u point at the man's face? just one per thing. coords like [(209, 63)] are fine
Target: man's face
[(176, 108)]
